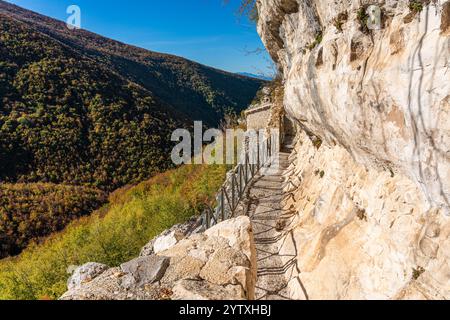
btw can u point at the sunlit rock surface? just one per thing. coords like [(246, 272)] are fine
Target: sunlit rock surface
[(372, 203), (360, 233), (383, 95), (215, 265)]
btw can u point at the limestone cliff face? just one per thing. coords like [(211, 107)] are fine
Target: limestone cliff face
[(384, 95), (360, 233), (371, 202)]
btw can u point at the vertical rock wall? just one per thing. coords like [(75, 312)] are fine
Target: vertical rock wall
[(384, 95), (360, 233), (369, 184)]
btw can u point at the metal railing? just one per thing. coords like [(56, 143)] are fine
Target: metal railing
[(232, 191)]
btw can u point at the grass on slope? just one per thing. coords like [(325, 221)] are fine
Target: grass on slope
[(112, 235)]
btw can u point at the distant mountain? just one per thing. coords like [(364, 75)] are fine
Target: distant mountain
[(255, 76), (78, 108)]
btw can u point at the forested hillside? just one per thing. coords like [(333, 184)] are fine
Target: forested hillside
[(82, 115), (201, 92), (67, 119), (32, 211), (112, 235), (80, 109)]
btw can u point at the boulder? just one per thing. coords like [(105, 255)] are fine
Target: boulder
[(85, 273), (146, 270), (110, 286), (224, 255), (219, 268), (203, 290), (167, 241), (237, 232), (171, 237), (219, 264)]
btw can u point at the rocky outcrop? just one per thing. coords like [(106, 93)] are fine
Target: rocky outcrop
[(217, 264), (172, 236), (384, 95), (360, 233), (369, 183), (144, 270), (85, 273)]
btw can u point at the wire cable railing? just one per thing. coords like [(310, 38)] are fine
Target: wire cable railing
[(255, 157)]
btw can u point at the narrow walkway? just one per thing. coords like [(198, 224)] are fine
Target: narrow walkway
[(265, 211)]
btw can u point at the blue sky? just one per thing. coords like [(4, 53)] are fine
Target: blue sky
[(206, 31)]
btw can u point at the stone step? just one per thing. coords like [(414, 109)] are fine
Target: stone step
[(265, 211)]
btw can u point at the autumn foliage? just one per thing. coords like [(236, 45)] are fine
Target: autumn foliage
[(112, 235), (31, 211)]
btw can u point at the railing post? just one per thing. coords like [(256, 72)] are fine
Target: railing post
[(246, 169), (270, 146), (264, 154), (258, 155), (222, 204), (233, 199), (240, 179)]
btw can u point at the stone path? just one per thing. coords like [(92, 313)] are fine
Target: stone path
[(267, 217)]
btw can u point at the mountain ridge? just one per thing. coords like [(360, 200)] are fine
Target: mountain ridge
[(124, 57), (82, 109), (255, 76)]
